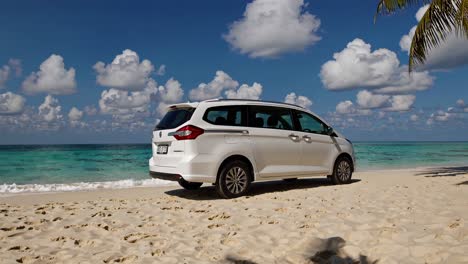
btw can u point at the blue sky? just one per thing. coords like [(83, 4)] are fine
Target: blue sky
[(196, 39)]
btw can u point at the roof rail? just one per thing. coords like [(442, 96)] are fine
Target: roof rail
[(251, 100)]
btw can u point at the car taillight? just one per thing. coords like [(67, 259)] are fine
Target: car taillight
[(188, 132)]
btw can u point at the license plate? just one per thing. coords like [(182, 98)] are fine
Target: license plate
[(162, 149)]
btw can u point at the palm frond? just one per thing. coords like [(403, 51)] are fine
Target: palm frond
[(462, 18), (438, 21), (385, 7)]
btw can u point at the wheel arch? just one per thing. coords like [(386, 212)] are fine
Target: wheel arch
[(237, 157)]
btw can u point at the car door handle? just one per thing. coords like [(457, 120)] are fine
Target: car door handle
[(307, 139), (294, 137)]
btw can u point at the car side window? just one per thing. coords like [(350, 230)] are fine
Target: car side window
[(226, 115), (311, 124), (270, 117)]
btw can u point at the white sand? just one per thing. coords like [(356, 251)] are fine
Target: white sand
[(386, 216)]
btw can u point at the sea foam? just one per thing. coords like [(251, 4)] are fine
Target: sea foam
[(80, 186)]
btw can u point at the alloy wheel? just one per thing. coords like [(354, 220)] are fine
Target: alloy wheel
[(344, 171), (236, 180)]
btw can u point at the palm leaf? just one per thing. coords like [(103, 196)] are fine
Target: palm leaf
[(462, 18), (441, 18), (438, 21), (385, 7)]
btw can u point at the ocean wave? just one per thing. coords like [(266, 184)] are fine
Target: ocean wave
[(81, 186)]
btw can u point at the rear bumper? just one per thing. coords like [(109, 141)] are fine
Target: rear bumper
[(196, 170), (165, 176)]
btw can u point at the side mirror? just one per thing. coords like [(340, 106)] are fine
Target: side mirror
[(329, 131)]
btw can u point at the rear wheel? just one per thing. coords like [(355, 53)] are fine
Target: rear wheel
[(233, 180), (189, 185), (343, 170)]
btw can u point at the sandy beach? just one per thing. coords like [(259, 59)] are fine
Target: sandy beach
[(391, 216)]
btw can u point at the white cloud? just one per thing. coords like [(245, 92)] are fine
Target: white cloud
[(222, 82), (246, 92), (350, 109), (451, 52), (131, 108), (117, 102), (125, 72), (19, 122), (460, 107), (300, 100), (345, 107), (400, 103), (394, 103), (368, 100), (74, 117), (270, 28), (405, 41), (213, 89), (406, 83), (414, 117), (441, 116), (357, 66), (75, 114), (50, 110), (132, 92), (171, 92), (52, 78), (11, 103)]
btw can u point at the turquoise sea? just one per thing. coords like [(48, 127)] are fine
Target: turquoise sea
[(74, 167)]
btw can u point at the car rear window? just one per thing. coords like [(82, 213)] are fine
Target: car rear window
[(174, 118)]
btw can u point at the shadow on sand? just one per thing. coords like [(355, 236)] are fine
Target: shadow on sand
[(331, 251), (320, 251), (444, 171), (463, 183), (257, 188)]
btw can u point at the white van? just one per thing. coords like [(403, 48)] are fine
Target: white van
[(232, 143)]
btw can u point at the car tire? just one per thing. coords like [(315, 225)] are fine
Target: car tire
[(189, 185), (234, 179), (342, 171)]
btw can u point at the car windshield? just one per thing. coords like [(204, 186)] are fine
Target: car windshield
[(174, 118)]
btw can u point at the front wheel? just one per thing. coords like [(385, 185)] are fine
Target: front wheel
[(342, 172), (189, 185), (233, 180)]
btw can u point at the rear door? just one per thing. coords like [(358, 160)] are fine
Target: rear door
[(228, 123), (276, 146), (167, 151), (317, 146)]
